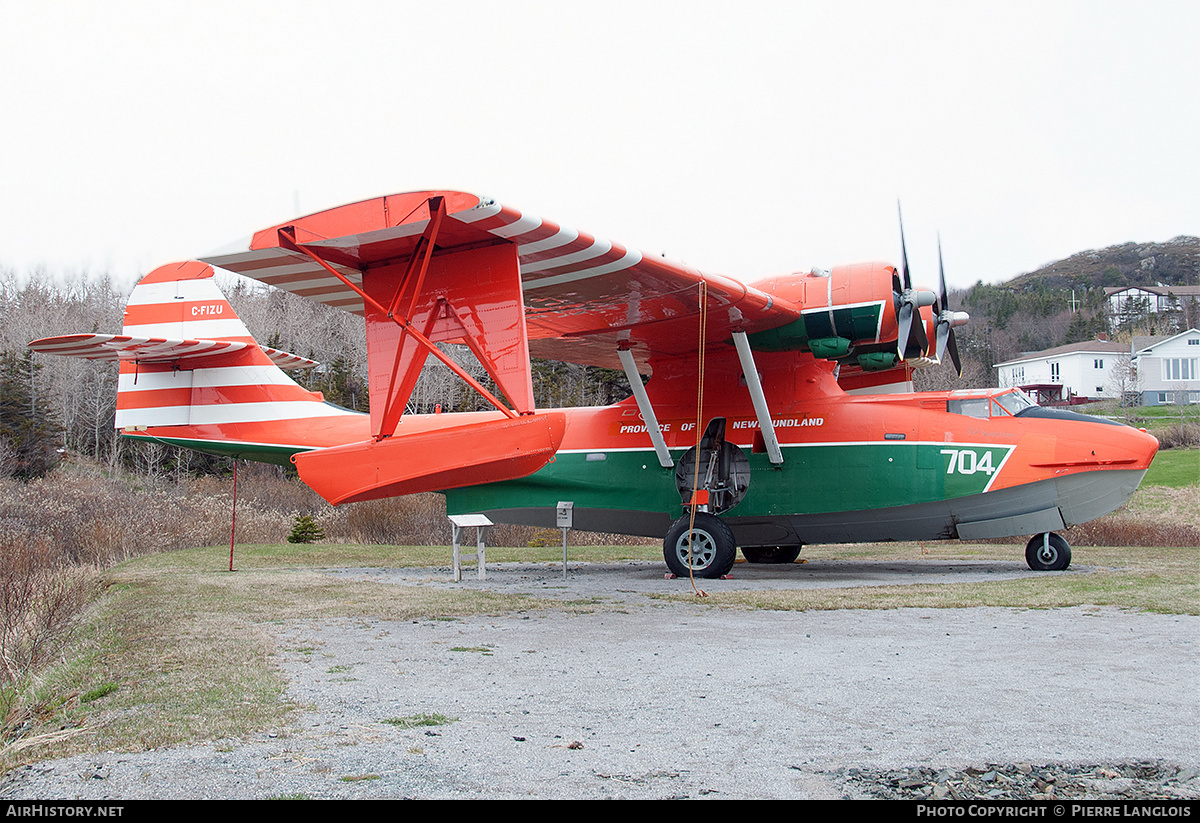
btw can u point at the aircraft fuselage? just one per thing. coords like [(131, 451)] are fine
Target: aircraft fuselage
[(933, 465)]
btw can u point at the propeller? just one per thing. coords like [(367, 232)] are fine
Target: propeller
[(945, 320), (911, 340)]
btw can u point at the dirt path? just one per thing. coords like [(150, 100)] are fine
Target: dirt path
[(646, 699)]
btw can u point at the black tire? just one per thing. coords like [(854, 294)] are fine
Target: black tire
[(1048, 552), (709, 546), (770, 554)]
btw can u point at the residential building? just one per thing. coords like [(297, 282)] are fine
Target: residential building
[(1162, 308), (1168, 368), (1075, 373)]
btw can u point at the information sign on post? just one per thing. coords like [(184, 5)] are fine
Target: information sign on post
[(565, 512)]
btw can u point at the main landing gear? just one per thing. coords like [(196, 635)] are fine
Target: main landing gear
[(712, 478), (1047, 552), (704, 549)]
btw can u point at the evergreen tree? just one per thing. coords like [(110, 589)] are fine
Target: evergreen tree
[(342, 387), (30, 434), (306, 530)]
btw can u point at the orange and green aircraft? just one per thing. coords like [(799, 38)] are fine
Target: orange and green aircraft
[(777, 413)]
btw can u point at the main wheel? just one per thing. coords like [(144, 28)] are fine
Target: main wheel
[(1047, 552), (770, 554), (706, 549)]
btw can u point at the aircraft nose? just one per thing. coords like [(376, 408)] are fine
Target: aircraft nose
[(1126, 446), (1148, 444), (1101, 442)]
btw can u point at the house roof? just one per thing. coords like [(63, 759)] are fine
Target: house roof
[(1145, 341), (1179, 291), (1144, 344), (1087, 347)]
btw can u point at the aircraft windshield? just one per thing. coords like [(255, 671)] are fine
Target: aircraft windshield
[(1009, 403), (1014, 402)]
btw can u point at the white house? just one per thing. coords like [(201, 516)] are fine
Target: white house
[(1073, 373), (1178, 304), (1168, 368)]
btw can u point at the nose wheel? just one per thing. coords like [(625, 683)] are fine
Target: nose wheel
[(1047, 552)]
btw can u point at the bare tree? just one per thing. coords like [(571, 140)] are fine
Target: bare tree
[(1123, 380)]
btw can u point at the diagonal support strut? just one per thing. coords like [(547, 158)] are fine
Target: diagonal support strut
[(765, 424), (647, 410), (287, 240)]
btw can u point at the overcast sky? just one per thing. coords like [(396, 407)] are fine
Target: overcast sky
[(747, 138)]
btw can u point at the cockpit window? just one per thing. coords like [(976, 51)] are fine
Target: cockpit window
[(970, 406), (1014, 402), (1002, 405)]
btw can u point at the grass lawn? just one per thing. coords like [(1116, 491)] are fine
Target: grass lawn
[(1175, 468)]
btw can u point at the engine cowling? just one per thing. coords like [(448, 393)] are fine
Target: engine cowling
[(849, 314)]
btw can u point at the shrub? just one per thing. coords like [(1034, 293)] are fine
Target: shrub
[(306, 530), (40, 597), (1123, 530), (1178, 436)]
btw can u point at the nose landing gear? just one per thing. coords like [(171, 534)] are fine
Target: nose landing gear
[(1047, 552)]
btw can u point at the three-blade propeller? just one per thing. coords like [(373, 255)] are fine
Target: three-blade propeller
[(946, 321), (911, 340)]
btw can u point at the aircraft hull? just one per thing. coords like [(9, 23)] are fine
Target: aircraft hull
[(866, 470), (1045, 505)]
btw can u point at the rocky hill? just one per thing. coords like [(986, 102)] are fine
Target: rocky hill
[(1064, 302), (1175, 262)]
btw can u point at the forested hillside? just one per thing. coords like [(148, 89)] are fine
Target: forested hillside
[(1173, 263), (1064, 302)]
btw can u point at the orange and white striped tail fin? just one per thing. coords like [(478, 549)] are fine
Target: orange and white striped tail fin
[(181, 301), (192, 374)]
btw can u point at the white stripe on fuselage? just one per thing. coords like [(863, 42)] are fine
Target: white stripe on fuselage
[(206, 378)]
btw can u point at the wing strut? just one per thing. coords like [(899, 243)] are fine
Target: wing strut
[(643, 402), (765, 425), (287, 240)]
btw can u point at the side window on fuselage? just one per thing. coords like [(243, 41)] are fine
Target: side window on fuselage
[(970, 406)]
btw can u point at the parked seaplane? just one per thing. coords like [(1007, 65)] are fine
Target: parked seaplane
[(778, 413)]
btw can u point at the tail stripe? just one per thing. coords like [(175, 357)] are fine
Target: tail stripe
[(211, 395), (223, 414), (181, 311), (226, 376), (175, 291), (212, 330)]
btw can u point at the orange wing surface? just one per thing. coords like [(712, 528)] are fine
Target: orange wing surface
[(583, 297)]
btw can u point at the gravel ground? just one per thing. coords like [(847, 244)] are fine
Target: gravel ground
[(646, 699)]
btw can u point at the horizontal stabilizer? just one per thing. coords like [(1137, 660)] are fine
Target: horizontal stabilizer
[(117, 347), (468, 455), (288, 361)]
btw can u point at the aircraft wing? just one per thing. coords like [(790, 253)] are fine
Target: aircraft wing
[(583, 296)]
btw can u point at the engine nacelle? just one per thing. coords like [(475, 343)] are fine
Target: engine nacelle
[(849, 312)]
